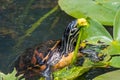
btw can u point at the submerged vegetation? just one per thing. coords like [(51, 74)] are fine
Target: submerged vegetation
[(97, 14), (34, 26)]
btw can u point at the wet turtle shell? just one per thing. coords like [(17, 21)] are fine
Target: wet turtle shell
[(27, 62)]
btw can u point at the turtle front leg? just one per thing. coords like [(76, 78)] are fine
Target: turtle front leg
[(47, 73)]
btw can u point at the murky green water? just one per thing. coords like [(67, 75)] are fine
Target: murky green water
[(17, 16)]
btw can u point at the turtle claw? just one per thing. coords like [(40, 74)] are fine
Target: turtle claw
[(66, 54), (49, 78), (47, 73)]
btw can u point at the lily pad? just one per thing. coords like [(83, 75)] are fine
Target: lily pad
[(101, 10), (70, 74), (116, 29), (96, 32), (115, 62), (113, 75), (114, 48)]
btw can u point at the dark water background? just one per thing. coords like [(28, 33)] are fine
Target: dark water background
[(16, 16)]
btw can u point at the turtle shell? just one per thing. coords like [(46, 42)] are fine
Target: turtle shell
[(32, 61)]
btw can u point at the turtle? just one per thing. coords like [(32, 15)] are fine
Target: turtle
[(48, 56), (43, 59)]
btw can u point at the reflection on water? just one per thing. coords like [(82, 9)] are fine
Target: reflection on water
[(16, 16)]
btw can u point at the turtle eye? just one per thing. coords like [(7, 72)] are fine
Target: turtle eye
[(74, 24)]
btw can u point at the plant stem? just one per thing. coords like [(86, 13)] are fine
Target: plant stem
[(25, 12), (77, 46), (35, 26)]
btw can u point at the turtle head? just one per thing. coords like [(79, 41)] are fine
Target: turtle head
[(69, 38)]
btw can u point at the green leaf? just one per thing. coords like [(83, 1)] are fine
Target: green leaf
[(70, 73), (9, 76), (88, 63), (115, 62), (101, 10), (113, 75), (95, 31), (116, 29), (114, 48)]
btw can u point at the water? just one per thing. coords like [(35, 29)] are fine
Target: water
[(17, 16)]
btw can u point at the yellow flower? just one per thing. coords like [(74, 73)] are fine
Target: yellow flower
[(82, 22), (83, 44)]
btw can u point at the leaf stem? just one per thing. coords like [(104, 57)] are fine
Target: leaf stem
[(35, 26), (77, 46)]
